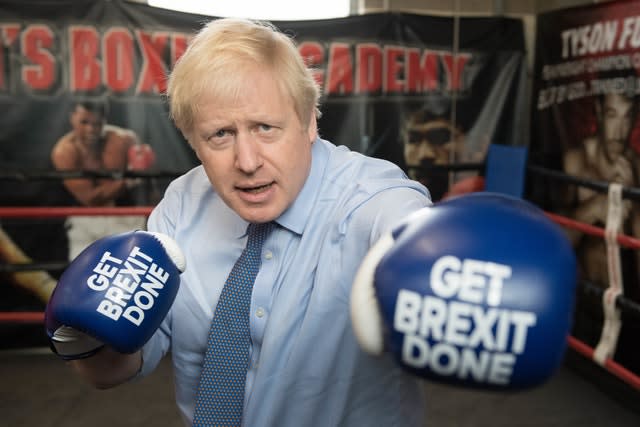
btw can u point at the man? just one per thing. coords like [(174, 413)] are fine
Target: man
[(93, 145), (609, 157), (245, 101), (431, 141)]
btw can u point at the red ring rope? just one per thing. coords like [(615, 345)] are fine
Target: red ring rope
[(57, 212), (624, 240), (610, 365), (50, 212), (21, 317)]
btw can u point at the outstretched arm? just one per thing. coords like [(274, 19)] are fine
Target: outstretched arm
[(108, 368)]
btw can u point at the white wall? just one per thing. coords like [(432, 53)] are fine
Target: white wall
[(467, 7)]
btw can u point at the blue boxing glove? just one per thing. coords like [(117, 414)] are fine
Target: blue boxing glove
[(476, 291), (115, 293)]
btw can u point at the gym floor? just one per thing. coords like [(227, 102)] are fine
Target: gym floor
[(39, 390)]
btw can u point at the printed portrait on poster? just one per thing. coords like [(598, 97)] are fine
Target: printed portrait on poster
[(585, 123)]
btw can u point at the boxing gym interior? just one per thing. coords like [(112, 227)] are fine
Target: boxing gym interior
[(537, 101)]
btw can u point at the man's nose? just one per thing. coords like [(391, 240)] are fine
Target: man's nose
[(425, 151), (248, 155), (621, 129)]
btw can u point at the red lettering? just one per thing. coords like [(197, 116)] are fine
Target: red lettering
[(36, 41), (179, 44), (127, 65), (422, 71), (153, 74), (84, 63), (313, 55), (118, 59), (369, 77), (9, 33), (453, 69), (340, 77), (3, 71), (394, 60)]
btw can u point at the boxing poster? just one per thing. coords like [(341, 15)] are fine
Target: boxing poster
[(585, 124), (413, 89)]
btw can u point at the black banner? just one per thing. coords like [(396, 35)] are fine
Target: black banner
[(391, 84), (585, 124)]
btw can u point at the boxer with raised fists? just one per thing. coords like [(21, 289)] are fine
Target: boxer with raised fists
[(115, 293), (93, 145), (476, 291)]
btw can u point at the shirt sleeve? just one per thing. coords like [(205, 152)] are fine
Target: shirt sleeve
[(384, 209), (372, 218), (160, 220), (391, 209)]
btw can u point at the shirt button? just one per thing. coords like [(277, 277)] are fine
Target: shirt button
[(260, 312), (268, 255)]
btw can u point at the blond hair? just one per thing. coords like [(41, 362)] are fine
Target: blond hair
[(213, 63)]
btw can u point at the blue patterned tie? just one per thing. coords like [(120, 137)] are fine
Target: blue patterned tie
[(221, 390)]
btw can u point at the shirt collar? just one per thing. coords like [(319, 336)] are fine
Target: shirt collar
[(296, 216)]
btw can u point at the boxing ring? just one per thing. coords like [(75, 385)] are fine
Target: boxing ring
[(34, 276)]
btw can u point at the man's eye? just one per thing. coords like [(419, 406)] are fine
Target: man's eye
[(436, 136), (218, 135), (265, 127)]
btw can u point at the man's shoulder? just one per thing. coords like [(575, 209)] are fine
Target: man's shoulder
[(187, 196), (576, 159), (365, 174), (344, 163), (64, 147), (65, 140), (119, 134), (194, 181), (369, 185)]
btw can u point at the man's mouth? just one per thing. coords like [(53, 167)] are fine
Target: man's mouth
[(257, 189)]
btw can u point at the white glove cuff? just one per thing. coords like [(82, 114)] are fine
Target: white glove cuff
[(365, 312)]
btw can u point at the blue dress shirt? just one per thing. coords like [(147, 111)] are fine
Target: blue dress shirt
[(306, 368)]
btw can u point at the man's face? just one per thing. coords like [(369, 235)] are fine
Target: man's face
[(429, 143), (617, 121), (86, 125), (255, 150)]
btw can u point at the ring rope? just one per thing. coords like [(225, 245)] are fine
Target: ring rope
[(632, 193), (47, 175), (610, 365), (619, 301), (33, 266), (624, 240), (449, 167), (63, 211), (22, 317), (626, 305), (614, 301)]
